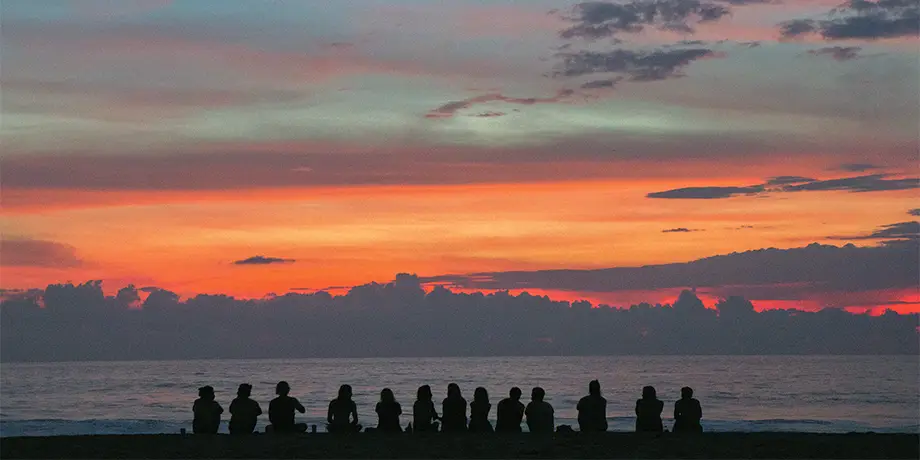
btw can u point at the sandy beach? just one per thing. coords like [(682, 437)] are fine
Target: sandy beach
[(608, 445)]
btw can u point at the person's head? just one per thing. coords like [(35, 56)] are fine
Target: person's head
[(453, 391), (481, 395), (648, 392), (244, 390), (282, 388), (515, 393), (424, 393), (206, 392), (387, 395), (345, 392), (537, 394), (686, 392), (594, 388)]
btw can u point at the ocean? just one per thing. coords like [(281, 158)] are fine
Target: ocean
[(738, 393)]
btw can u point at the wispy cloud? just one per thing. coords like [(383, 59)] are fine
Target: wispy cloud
[(262, 260)]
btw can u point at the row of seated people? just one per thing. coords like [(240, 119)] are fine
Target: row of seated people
[(343, 413)]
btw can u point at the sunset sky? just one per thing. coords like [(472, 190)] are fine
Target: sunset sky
[(249, 147)]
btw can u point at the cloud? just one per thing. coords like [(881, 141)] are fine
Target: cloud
[(858, 167), (869, 183), (839, 53), (706, 193), (660, 64), (861, 19), (605, 83), (596, 20), (489, 114), (898, 231), (27, 252), (680, 230), (449, 109), (262, 260), (914, 212)]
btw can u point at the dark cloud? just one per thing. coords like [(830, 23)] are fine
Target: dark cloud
[(847, 268), (869, 183), (861, 19), (898, 231), (839, 53), (597, 20), (785, 180), (489, 114), (27, 252), (653, 65), (449, 109), (680, 230), (605, 83), (858, 167), (914, 212), (262, 260), (705, 193)]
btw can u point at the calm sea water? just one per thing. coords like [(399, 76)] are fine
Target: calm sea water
[(738, 393)]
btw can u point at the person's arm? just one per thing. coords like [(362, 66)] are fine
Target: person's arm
[(354, 413), (258, 409), (434, 412), (676, 410), (398, 409), (220, 410), (329, 414), (637, 407), (299, 406)]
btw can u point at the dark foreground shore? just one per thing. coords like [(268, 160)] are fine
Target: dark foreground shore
[(607, 445)]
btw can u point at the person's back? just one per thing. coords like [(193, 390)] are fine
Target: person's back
[(244, 411), (592, 410), (687, 413), (388, 412), (539, 413), (281, 411), (423, 411), (648, 411), (343, 413), (453, 410), (510, 412), (207, 412), (479, 412)]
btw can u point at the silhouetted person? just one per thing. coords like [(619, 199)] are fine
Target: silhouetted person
[(343, 413), (592, 410), (510, 413), (388, 412), (687, 413), (648, 411), (539, 413), (243, 411), (423, 412), (453, 410), (281, 411), (207, 412), (479, 412)]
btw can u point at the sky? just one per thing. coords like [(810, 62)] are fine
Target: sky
[(265, 146)]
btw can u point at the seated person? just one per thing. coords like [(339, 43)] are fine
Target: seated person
[(243, 411), (423, 412), (648, 411), (539, 413), (510, 413), (592, 410), (342, 416), (281, 411), (207, 412), (479, 412), (453, 414), (687, 413), (388, 412)]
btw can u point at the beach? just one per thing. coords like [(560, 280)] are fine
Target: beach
[(372, 445)]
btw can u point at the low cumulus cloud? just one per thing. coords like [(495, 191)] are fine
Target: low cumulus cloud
[(786, 184), (27, 252), (262, 260), (858, 167), (838, 53), (899, 231), (659, 64), (450, 109), (680, 230), (598, 20), (860, 19), (914, 212)]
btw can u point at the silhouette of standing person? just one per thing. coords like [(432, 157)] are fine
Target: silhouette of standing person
[(423, 412), (243, 411), (510, 412), (453, 410), (281, 411), (207, 412), (388, 412), (539, 413), (479, 412), (687, 413), (343, 413), (648, 411), (592, 410)]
